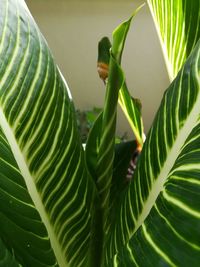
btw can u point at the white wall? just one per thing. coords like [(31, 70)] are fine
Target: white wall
[(73, 29)]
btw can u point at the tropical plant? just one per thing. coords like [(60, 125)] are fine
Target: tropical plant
[(85, 121), (63, 206)]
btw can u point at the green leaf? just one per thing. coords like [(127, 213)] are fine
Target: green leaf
[(6, 257), (132, 111), (178, 26), (21, 225), (127, 103), (100, 145), (104, 47), (120, 34), (161, 207), (92, 147), (45, 190), (125, 152), (101, 141)]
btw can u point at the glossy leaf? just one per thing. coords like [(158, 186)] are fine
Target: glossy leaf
[(161, 208), (132, 110), (46, 193), (21, 225), (52, 212), (178, 26), (135, 244)]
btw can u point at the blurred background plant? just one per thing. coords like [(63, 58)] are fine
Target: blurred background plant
[(85, 121)]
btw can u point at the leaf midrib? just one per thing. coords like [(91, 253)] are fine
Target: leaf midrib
[(31, 187), (158, 186)]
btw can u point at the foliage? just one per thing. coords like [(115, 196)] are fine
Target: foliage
[(85, 121), (65, 206)]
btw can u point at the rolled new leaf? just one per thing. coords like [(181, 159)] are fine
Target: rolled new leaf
[(129, 106), (104, 47)]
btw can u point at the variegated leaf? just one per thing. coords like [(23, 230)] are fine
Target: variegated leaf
[(46, 193), (178, 26), (161, 208)]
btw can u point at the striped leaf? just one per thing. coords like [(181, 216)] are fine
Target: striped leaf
[(101, 140), (125, 153), (45, 190), (51, 212), (21, 225), (128, 104), (159, 219), (132, 110), (136, 238), (178, 26)]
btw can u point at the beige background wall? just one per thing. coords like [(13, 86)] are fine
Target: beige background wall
[(73, 29)]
